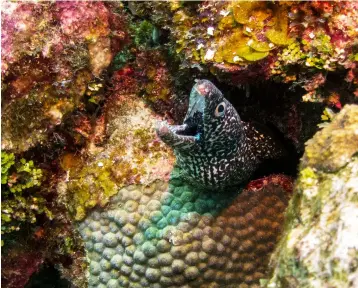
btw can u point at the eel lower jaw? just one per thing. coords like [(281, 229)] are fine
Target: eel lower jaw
[(174, 134)]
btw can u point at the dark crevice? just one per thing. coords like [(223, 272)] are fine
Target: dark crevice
[(47, 277), (281, 111)]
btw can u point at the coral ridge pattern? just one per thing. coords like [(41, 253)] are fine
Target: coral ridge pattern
[(178, 236)]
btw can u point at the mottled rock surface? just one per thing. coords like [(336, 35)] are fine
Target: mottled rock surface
[(50, 53), (320, 247), (132, 155)]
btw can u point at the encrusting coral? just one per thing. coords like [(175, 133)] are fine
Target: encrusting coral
[(132, 155), (242, 41), (159, 236), (50, 52), (337, 143), (319, 248)]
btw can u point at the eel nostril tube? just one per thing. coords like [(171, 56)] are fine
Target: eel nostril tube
[(203, 89), (161, 128)]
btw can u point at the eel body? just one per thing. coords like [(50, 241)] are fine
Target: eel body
[(214, 147)]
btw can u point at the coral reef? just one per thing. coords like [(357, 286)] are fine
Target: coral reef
[(319, 248), (50, 52), (146, 73), (336, 143), (34, 228), (132, 155), (83, 84), (241, 41), (159, 236)]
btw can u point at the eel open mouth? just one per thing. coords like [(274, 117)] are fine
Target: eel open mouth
[(193, 120), (192, 126)]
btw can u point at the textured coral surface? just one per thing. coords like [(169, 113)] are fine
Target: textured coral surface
[(132, 155), (82, 86), (50, 52), (243, 41), (155, 236), (337, 143), (320, 244)]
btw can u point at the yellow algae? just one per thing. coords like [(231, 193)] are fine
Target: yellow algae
[(279, 32), (243, 10)]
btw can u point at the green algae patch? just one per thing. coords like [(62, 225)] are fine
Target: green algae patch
[(237, 46), (279, 32), (279, 37), (259, 46), (91, 186), (253, 18), (22, 199), (7, 160), (250, 54)]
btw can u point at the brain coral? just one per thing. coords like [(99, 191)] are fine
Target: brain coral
[(176, 236)]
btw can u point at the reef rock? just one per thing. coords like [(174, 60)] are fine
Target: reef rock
[(132, 155), (18, 266), (320, 247), (243, 41), (50, 53), (159, 236)]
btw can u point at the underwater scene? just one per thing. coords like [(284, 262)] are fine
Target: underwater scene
[(209, 144)]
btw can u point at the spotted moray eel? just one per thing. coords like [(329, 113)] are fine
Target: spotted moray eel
[(214, 147)]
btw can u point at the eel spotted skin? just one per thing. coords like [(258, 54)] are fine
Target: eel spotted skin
[(214, 147)]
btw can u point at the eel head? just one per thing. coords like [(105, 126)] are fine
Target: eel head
[(210, 125)]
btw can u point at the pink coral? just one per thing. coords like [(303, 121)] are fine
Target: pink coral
[(51, 50), (29, 28), (82, 19), (19, 23)]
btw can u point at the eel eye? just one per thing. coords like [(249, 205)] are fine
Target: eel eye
[(220, 109)]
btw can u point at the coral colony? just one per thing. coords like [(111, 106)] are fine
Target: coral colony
[(115, 174)]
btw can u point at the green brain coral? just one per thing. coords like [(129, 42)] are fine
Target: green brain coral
[(175, 235)]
